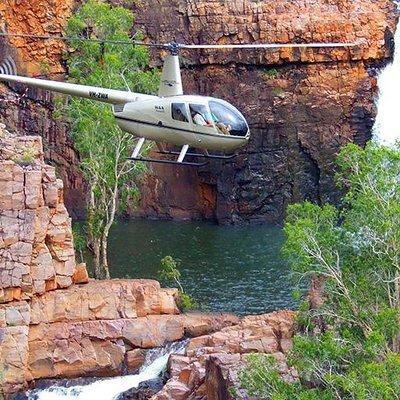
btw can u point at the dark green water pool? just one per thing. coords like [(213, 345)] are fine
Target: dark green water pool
[(233, 269)]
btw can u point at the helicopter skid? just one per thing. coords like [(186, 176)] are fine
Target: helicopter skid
[(155, 160), (211, 156)]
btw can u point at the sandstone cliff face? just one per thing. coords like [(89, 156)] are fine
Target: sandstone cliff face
[(36, 248), (302, 105), (50, 326), (29, 111)]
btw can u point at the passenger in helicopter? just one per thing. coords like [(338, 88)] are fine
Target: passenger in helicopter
[(198, 116)]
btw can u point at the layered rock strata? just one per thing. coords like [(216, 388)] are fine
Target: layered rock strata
[(54, 322), (212, 363), (30, 111), (301, 104), (36, 248)]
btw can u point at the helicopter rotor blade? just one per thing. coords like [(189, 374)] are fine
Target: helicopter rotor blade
[(175, 47), (264, 46)]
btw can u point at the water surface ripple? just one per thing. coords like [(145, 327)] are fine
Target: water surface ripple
[(232, 269)]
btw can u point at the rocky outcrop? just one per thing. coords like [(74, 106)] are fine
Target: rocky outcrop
[(36, 248), (302, 105), (212, 363), (30, 111), (51, 324)]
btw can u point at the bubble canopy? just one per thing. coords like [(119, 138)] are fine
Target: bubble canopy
[(224, 113)]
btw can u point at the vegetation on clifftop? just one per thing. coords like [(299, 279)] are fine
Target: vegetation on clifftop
[(102, 145), (349, 341)]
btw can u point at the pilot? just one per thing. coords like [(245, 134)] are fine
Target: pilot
[(224, 129)]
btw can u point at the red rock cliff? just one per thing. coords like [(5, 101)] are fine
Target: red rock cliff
[(51, 324), (302, 105), (29, 112)]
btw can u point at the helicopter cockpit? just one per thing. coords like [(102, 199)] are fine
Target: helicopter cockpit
[(227, 119), (217, 114)]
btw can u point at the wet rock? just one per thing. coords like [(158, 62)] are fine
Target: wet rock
[(134, 359), (144, 391), (211, 363)]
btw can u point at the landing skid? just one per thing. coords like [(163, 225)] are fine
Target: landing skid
[(211, 156), (135, 156), (155, 160)]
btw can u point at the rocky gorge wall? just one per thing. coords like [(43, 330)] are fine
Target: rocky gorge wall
[(55, 322), (302, 105), (30, 111)]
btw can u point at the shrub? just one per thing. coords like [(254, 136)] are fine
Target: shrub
[(348, 348), (170, 272), (26, 158)]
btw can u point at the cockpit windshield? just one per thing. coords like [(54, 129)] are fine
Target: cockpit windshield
[(227, 119)]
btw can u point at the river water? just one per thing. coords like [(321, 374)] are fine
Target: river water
[(233, 269), (109, 389)]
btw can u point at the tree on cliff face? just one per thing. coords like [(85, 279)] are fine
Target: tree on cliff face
[(102, 146), (355, 252)]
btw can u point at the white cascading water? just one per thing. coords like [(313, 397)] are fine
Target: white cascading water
[(386, 130), (109, 389)]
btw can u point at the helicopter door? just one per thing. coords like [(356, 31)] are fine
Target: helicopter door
[(179, 113)]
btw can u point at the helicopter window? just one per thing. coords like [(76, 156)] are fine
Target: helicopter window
[(200, 115), (228, 119), (179, 112)]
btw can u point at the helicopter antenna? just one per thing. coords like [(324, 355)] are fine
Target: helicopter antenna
[(125, 82)]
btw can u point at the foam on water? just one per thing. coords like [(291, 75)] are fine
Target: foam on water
[(386, 129), (109, 389)]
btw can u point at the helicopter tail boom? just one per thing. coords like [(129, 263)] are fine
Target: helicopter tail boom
[(111, 96)]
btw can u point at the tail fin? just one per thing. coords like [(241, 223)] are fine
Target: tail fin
[(171, 82), (8, 67)]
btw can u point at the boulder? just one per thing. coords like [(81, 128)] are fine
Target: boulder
[(211, 362), (144, 391)]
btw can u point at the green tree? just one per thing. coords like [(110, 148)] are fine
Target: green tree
[(102, 146), (355, 252)]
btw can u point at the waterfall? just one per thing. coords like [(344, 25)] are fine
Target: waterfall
[(386, 129), (108, 389)]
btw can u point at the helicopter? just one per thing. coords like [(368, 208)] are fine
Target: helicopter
[(201, 122)]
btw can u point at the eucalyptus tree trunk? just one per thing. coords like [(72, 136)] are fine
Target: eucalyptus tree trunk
[(104, 256), (96, 246), (111, 211), (93, 242)]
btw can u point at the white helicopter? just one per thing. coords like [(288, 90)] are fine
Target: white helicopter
[(201, 122)]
